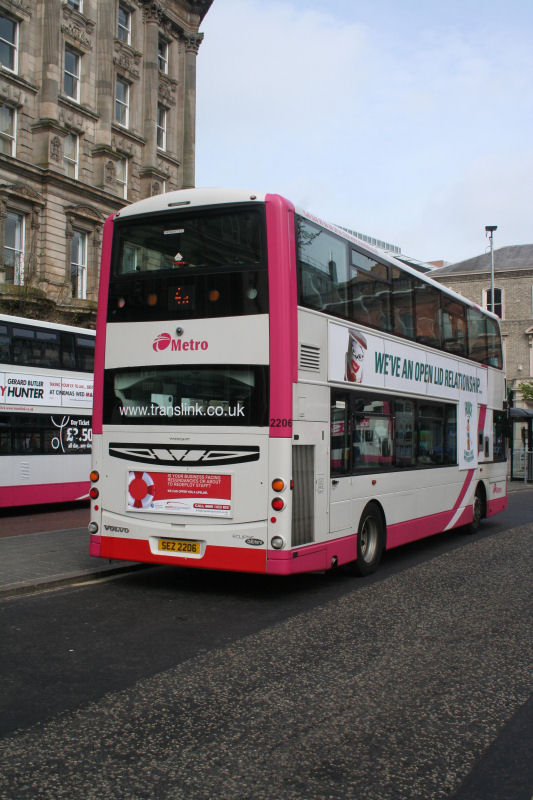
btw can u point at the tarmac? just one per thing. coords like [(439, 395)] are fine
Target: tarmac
[(33, 562)]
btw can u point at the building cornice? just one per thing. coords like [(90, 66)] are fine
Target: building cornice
[(44, 177), (17, 80), (22, 191), (77, 108), (18, 8), (134, 137)]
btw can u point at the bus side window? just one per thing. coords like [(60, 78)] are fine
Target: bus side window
[(5, 344), (47, 348), (27, 440), (499, 435), (5, 434), (453, 326), (322, 269), (68, 357), (369, 293), (427, 314), (23, 347), (477, 335), (494, 346), (340, 441), (402, 304), (85, 349), (404, 433)]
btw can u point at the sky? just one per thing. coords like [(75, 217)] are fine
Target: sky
[(407, 120)]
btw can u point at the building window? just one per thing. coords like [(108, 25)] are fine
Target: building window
[(122, 177), (122, 102), (8, 43), (161, 127), (14, 248), (8, 129), (78, 265), (77, 4), (71, 75), (162, 56), (124, 24), (132, 258), (71, 152), (498, 301)]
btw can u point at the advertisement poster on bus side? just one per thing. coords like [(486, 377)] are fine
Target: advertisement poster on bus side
[(372, 361), (71, 434), (179, 493), (18, 389)]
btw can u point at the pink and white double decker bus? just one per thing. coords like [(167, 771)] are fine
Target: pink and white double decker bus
[(46, 399), (272, 395)]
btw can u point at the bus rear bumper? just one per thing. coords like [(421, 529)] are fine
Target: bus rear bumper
[(236, 559), (313, 557)]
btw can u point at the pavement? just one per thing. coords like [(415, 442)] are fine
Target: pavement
[(45, 559), (31, 562)]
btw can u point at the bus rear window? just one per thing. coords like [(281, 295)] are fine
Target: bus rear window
[(187, 395), (185, 265)]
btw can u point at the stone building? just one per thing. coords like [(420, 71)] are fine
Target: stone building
[(513, 302), (97, 109)]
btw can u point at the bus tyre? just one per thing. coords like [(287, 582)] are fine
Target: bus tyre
[(370, 541), (478, 512)]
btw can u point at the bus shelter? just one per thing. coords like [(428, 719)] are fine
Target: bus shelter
[(521, 444)]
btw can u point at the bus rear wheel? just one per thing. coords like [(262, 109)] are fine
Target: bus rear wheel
[(370, 541), (478, 511)]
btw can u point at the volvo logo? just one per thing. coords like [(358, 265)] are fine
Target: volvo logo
[(191, 455), (114, 529)]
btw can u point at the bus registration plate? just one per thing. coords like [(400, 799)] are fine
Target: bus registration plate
[(179, 546)]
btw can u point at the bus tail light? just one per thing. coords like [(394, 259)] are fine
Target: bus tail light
[(94, 476), (93, 527), (94, 493), (278, 485), (278, 504)]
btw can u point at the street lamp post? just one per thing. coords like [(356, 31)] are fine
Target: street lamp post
[(490, 233)]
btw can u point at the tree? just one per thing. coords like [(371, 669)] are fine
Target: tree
[(526, 387)]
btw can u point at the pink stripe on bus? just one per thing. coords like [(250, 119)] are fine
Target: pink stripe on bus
[(466, 484), (282, 311), (101, 317), (481, 419), (36, 494)]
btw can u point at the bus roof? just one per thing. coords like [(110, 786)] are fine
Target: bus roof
[(220, 196), (189, 197), (56, 326)]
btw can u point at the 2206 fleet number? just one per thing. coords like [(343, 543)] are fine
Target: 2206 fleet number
[(277, 422)]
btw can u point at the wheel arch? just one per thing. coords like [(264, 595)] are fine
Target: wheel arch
[(376, 504), (481, 492)]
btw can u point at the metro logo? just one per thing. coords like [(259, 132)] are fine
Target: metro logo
[(163, 340)]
